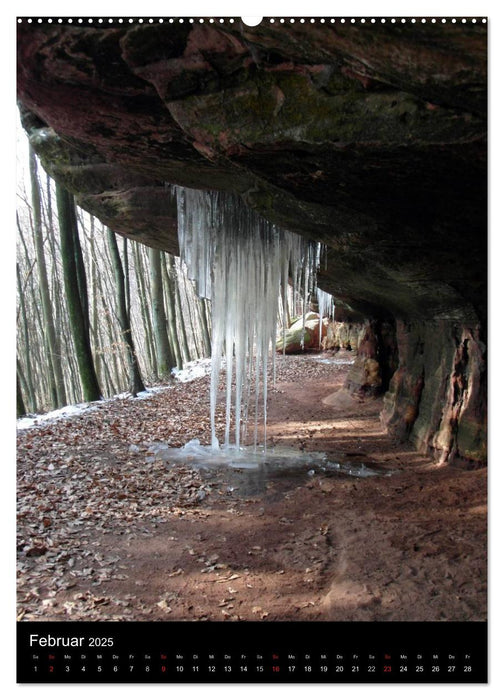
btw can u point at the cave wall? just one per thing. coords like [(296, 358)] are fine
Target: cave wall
[(376, 360), (370, 139), (437, 397), (343, 334), (433, 380)]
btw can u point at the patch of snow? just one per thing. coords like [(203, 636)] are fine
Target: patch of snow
[(34, 420), (330, 361), (193, 370), (147, 393), (64, 412)]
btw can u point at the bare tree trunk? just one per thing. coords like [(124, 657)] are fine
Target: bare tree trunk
[(191, 311), (56, 287), (181, 325), (126, 277), (30, 275), (135, 380), (108, 330), (44, 284), (20, 407), (112, 388), (169, 297), (94, 305), (71, 369), (146, 319), (165, 356), (79, 324), (207, 343), (26, 338)]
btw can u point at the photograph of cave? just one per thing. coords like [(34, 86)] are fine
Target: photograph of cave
[(251, 320)]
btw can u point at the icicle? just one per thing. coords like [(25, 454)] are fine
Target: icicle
[(325, 308), (240, 261)]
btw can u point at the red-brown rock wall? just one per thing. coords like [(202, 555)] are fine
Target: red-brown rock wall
[(437, 395)]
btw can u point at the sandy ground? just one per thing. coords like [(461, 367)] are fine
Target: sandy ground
[(104, 534)]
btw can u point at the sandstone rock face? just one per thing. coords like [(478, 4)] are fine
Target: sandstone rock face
[(307, 335), (344, 335), (437, 396), (376, 360), (370, 139)]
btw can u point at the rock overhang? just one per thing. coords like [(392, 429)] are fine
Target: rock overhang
[(369, 139)]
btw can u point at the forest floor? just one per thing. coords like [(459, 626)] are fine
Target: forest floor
[(107, 532)]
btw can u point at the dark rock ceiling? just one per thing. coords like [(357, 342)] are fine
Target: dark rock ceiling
[(371, 139)]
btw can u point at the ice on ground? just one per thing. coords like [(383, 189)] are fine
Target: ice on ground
[(332, 361), (198, 456)]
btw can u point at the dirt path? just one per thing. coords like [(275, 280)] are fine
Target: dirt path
[(104, 534)]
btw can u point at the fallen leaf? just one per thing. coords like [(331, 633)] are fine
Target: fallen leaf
[(36, 551)]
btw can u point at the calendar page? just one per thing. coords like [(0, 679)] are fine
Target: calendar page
[(251, 349)]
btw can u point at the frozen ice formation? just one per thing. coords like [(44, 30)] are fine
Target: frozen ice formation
[(272, 459), (241, 262), (325, 308)]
